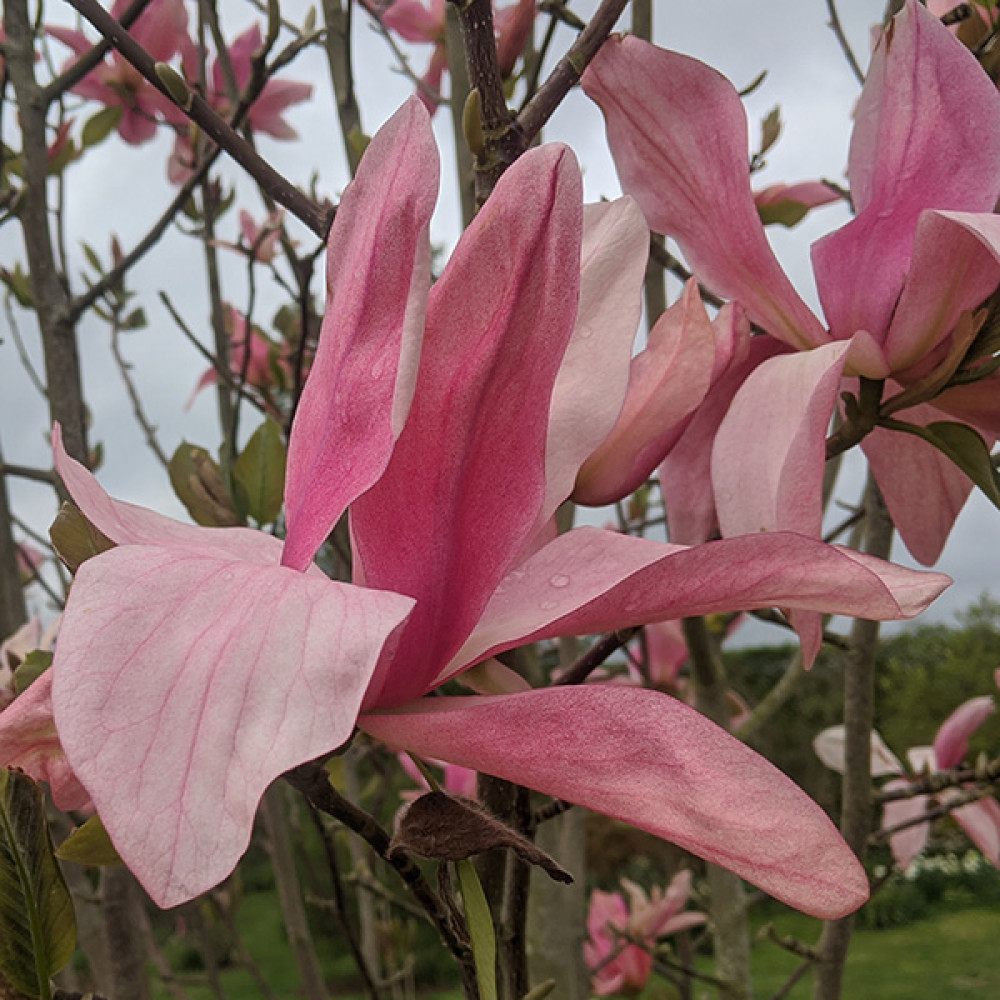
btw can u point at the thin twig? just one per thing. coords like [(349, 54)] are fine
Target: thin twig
[(838, 30), (596, 655), (138, 410)]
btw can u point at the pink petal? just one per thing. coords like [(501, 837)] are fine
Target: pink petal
[(923, 489), (28, 740), (678, 133), (647, 759), (975, 404), (909, 842), (241, 52), (589, 580), (459, 499), (927, 135), (412, 20), (161, 29), (276, 97), (952, 741), (955, 266), (127, 524), (809, 194), (981, 823), (770, 450), (667, 651), (184, 684), (591, 385), (359, 390), (667, 382), (685, 474), (512, 25)]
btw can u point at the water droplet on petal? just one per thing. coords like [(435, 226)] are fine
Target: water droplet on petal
[(560, 580)]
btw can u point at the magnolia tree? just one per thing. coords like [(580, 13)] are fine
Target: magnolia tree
[(379, 584)]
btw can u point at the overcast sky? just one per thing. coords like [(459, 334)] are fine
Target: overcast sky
[(122, 189)]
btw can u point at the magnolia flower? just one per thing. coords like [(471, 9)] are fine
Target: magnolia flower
[(266, 114), (980, 819), (424, 22), (196, 665), (162, 31), (895, 282), (616, 965)]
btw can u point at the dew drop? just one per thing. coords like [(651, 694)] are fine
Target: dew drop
[(560, 580)]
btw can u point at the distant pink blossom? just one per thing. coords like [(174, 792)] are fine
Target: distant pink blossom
[(616, 965), (454, 779), (162, 30)]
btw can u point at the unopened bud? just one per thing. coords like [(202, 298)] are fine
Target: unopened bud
[(175, 85)]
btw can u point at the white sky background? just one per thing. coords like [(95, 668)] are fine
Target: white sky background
[(122, 189)]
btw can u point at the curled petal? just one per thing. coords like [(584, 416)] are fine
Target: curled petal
[(952, 741), (678, 133), (829, 747), (981, 823), (907, 843), (649, 760)]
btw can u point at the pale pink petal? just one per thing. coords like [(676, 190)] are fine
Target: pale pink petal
[(432, 78), (589, 580), (981, 823), (412, 20), (678, 133), (922, 760), (359, 391), (127, 524), (907, 843), (829, 747), (809, 194), (512, 25), (276, 97), (241, 52), (977, 404), (75, 40), (592, 379), (926, 135), (667, 382), (682, 922), (647, 759), (459, 498), (667, 652), (770, 450), (28, 740), (685, 474), (955, 266), (135, 127), (923, 489), (184, 684), (952, 741), (161, 29)]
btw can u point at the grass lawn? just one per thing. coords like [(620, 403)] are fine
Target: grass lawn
[(954, 954)]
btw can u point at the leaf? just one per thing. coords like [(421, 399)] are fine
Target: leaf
[(770, 129), (481, 934), (98, 127), (92, 259), (783, 213), (33, 666), (260, 470), (135, 320), (964, 446), (37, 923), (198, 483), (448, 828), (89, 845), (75, 538), (19, 283)]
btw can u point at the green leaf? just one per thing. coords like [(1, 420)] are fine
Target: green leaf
[(75, 538), (19, 282), (199, 485), (92, 259), (32, 667), (37, 923), (89, 845), (135, 320), (964, 447), (481, 934), (786, 213), (98, 127), (260, 470)]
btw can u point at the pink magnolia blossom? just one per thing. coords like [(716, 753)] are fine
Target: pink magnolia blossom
[(266, 114), (894, 282), (258, 370), (980, 819), (196, 665), (620, 967), (423, 21), (162, 30)]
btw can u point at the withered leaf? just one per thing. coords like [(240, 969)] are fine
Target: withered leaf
[(448, 828)]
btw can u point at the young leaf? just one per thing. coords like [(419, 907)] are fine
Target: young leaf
[(37, 923), (260, 470), (484, 942), (963, 446), (33, 666), (75, 538), (89, 845), (199, 485), (98, 127)]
